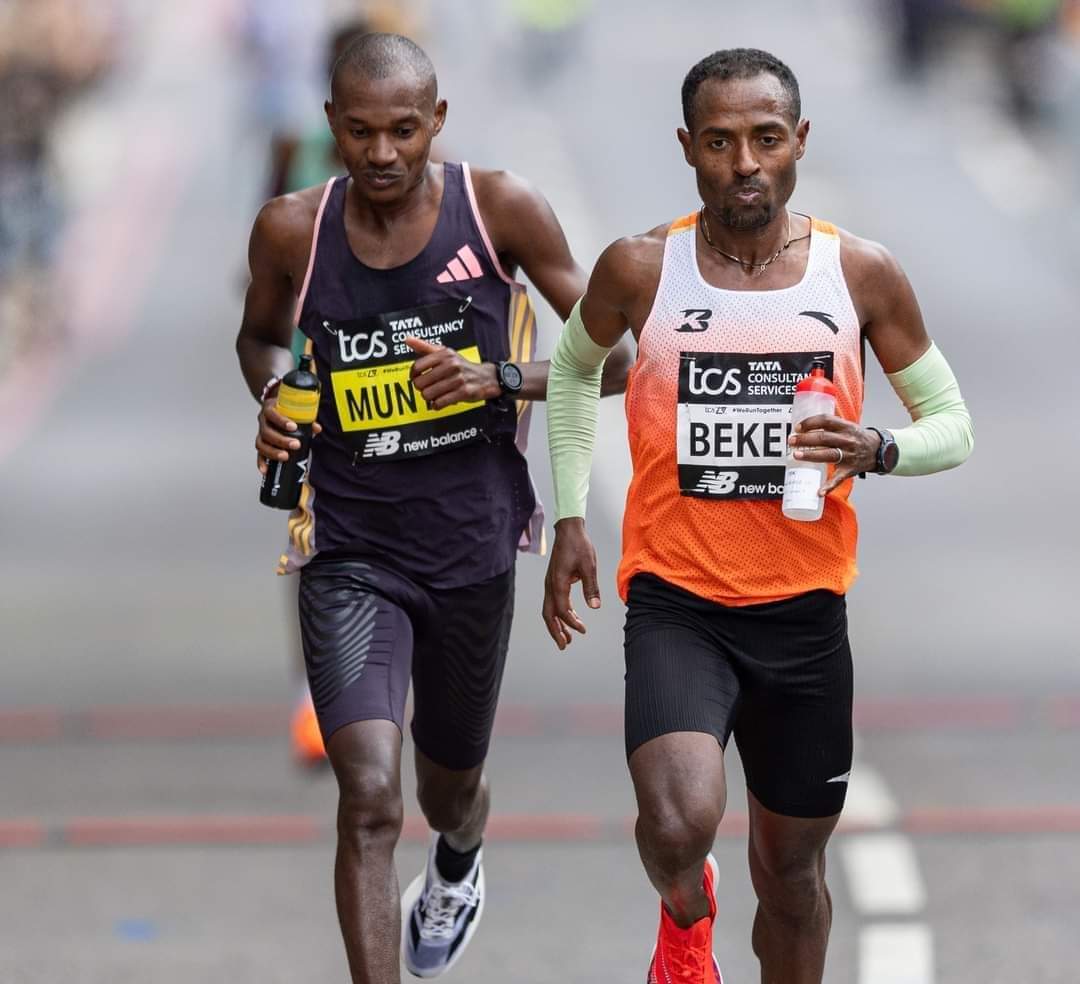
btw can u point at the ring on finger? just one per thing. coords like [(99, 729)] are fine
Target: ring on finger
[(839, 455)]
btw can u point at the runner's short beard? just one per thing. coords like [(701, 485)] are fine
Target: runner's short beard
[(743, 219)]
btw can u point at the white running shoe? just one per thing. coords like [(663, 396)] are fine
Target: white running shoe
[(438, 918)]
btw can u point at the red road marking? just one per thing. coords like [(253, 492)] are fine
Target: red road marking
[(520, 721), (1064, 712), (994, 820), (114, 723), (525, 827), (150, 722), (203, 830), (595, 719), (929, 713), (22, 833), (31, 724), (210, 830)]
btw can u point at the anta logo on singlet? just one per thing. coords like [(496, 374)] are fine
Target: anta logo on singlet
[(697, 319), (825, 319), (714, 382), (362, 346)]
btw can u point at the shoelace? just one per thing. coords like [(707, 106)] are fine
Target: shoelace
[(441, 907), (683, 965)]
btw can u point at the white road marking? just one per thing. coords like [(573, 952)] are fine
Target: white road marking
[(883, 874), (884, 881), (896, 953), (869, 802)]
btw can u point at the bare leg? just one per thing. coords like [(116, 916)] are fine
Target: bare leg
[(681, 794), (454, 802), (787, 867), (366, 757)]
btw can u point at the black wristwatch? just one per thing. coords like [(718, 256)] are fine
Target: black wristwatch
[(510, 378), (888, 454)]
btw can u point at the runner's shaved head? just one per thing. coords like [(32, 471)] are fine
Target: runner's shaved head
[(384, 56)]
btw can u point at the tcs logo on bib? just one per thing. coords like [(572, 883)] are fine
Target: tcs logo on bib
[(361, 346), (713, 381)]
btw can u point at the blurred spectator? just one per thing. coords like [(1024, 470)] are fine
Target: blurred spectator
[(49, 50), (1023, 27), (1015, 32), (311, 157), (282, 40), (285, 43), (551, 33)]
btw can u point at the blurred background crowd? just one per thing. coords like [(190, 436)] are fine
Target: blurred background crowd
[(54, 53), (51, 53)]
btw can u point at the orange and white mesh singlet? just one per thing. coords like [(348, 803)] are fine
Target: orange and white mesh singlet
[(708, 405)]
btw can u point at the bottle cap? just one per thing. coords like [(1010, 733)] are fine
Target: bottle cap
[(817, 381)]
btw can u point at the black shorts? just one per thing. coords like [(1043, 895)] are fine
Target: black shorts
[(776, 675), (367, 630)]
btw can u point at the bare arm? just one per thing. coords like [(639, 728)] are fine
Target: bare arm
[(263, 343), (526, 232), (276, 252), (941, 434), (888, 311)]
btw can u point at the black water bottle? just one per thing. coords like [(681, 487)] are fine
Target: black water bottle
[(297, 399)]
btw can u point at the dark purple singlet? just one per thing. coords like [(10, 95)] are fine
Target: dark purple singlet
[(445, 497)]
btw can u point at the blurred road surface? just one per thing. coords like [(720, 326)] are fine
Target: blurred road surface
[(152, 828)]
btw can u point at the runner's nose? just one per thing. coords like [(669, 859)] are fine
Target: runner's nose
[(382, 152), (745, 163)]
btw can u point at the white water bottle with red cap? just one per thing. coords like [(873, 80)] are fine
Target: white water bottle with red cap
[(814, 394)]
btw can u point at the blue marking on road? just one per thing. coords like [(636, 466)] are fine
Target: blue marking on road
[(137, 930)]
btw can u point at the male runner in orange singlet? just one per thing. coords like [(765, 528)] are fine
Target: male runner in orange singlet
[(736, 618)]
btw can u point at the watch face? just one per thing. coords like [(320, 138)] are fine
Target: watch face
[(890, 456), (511, 377)]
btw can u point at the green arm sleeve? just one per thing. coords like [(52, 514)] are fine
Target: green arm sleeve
[(941, 435), (573, 399)]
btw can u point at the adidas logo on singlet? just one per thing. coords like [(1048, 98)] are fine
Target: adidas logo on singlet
[(464, 266)]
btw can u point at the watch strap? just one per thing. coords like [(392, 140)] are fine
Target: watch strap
[(885, 439)]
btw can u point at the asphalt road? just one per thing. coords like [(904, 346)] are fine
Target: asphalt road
[(152, 828)]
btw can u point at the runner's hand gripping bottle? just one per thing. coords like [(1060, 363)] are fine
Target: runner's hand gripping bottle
[(297, 399), (814, 394)]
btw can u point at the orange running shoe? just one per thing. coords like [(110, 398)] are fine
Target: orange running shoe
[(307, 743), (684, 956)]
